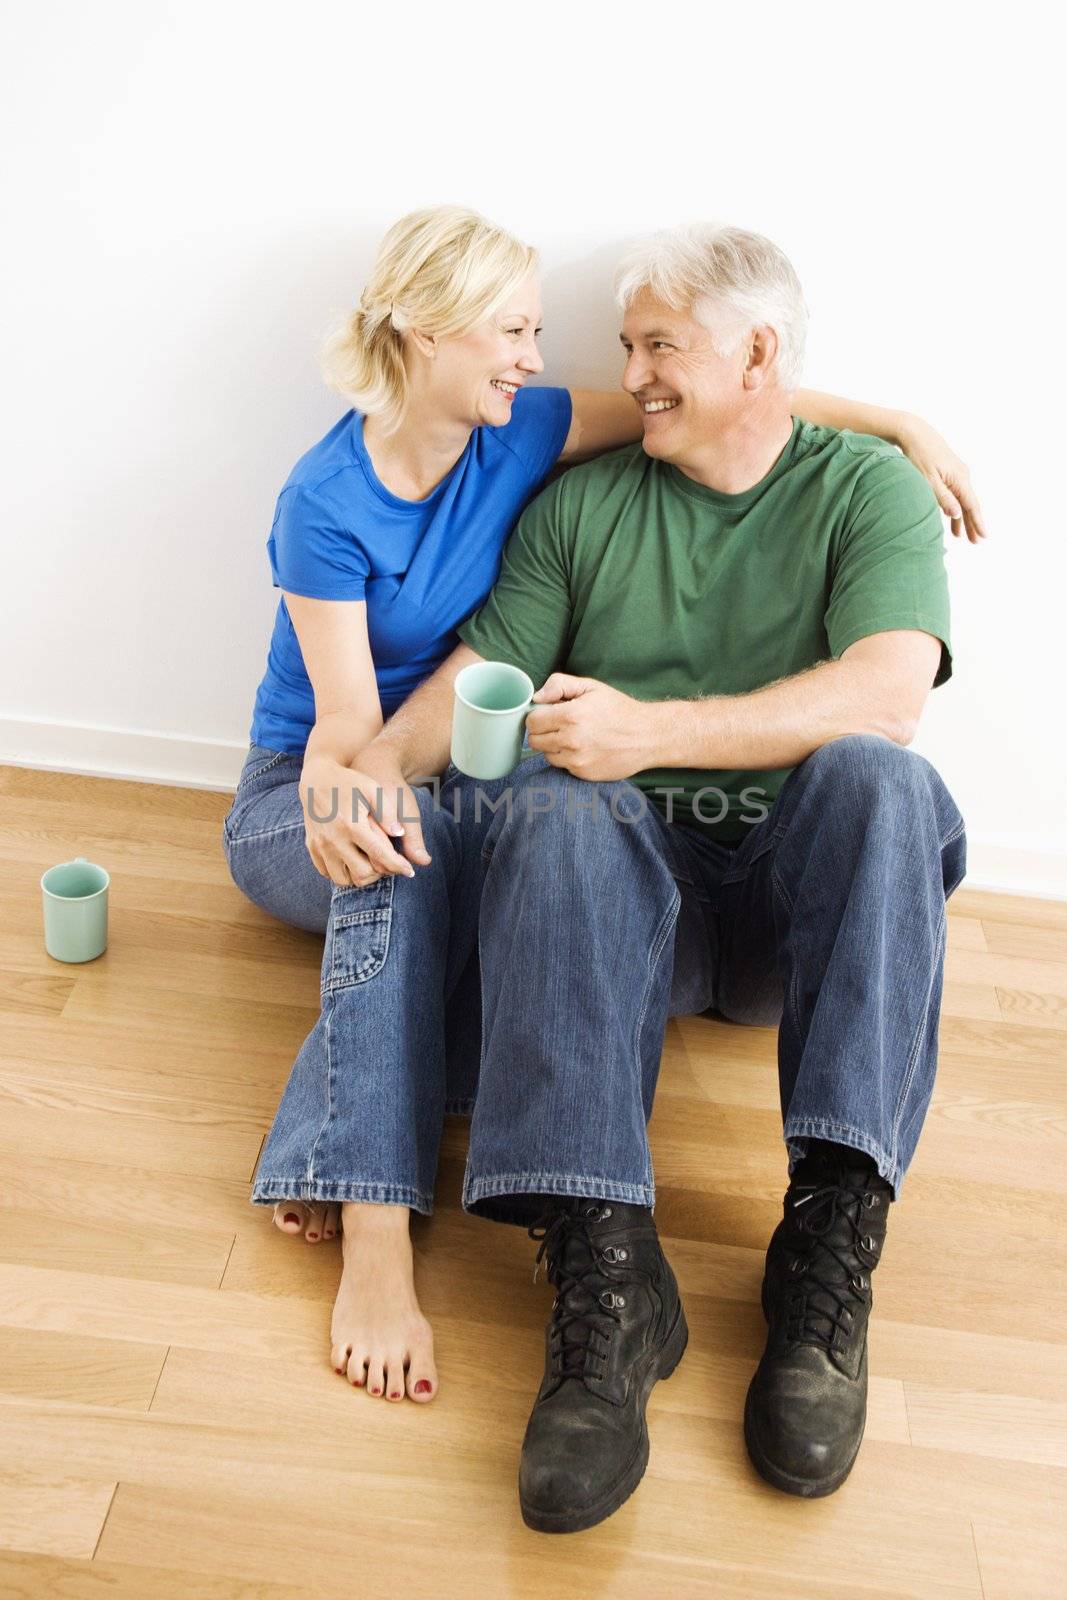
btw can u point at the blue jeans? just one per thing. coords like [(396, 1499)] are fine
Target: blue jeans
[(397, 1040), (588, 921)]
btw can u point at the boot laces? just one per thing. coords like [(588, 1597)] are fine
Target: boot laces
[(831, 1277), (586, 1307)]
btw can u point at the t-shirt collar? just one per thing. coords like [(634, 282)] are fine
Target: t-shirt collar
[(737, 502)]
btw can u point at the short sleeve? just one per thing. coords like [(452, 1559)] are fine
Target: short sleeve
[(312, 552), (537, 432), (526, 621), (889, 568)]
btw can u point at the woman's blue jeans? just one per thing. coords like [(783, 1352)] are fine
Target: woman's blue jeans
[(536, 961)]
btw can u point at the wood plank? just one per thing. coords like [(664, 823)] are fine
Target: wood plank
[(30, 1577), (184, 962), (58, 1366), (1042, 1009), (184, 1151), (1022, 1562), (55, 1515), (965, 933), (1020, 939), (242, 1536), (1002, 1425), (987, 906), (77, 792)]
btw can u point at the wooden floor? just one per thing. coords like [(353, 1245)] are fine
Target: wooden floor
[(169, 1421)]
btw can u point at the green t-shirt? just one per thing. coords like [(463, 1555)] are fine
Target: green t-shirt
[(628, 571)]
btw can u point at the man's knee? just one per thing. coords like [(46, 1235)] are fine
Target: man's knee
[(549, 804), (868, 772), (869, 762)]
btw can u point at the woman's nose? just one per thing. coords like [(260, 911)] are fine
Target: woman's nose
[(531, 359)]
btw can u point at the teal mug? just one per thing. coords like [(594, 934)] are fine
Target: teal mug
[(491, 704), (75, 910)]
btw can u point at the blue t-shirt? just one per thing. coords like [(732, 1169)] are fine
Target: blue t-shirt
[(422, 566)]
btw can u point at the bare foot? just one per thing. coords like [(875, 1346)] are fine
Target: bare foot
[(380, 1338), (315, 1219)]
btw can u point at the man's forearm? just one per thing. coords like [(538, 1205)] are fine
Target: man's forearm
[(778, 726), (419, 733)]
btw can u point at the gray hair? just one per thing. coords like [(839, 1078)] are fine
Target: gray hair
[(710, 264)]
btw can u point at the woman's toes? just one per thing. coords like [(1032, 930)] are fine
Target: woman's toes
[(331, 1222), (422, 1374), (357, 1369), (289, 1216), (375, 1376), (316, 1214), (394, 1377)]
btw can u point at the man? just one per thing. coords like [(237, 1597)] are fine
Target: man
[(736, 626)]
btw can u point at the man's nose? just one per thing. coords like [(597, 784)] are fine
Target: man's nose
[(637, 374)]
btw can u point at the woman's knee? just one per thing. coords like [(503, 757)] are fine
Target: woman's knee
[(276, 873)]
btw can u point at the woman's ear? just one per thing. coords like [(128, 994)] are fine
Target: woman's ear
[(425, 343), (762, 354)]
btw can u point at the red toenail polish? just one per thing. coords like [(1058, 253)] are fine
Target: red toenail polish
[(423, 1386), (376, 1391), (291, 1216), (312, 1235)]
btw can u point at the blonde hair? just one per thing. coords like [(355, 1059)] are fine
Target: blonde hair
[(441, 270), (709, 265)]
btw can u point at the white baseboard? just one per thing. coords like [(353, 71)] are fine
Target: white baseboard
[(128, 753), (136, 755)]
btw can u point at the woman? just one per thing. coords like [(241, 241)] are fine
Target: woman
[(387, 534)]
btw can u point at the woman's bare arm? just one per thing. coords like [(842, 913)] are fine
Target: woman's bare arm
[(601, 421), (349, 845)]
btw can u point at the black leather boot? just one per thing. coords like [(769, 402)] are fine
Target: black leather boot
[(807, 1404), (616, 1327)]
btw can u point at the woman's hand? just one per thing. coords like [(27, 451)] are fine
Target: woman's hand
[(351, 818), (946, 475)]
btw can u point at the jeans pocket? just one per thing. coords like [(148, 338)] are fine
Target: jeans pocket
[(357, 940)]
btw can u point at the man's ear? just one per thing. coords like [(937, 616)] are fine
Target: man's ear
[(762, 352)]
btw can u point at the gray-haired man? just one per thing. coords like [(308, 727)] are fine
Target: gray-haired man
[(738, 623)]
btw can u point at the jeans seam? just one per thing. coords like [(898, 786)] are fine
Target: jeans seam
[(920, 1028), (279, 755), (328, 1010), (954, 835), (670, 917), (341, 1190), (843, 1133), (779, 890), (265, 833), (511, 1183)]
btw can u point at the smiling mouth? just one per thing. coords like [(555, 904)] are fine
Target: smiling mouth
[(504, 386), (650, 407)]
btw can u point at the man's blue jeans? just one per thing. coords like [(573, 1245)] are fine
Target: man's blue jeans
[(589, 921)]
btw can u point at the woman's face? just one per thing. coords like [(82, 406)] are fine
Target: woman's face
[(478, 374)]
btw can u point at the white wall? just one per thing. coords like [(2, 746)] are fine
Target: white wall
[(193, 191)]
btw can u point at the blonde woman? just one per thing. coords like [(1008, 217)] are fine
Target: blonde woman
[(387, 534)]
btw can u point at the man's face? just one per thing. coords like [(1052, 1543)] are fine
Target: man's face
[(685, 390)]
